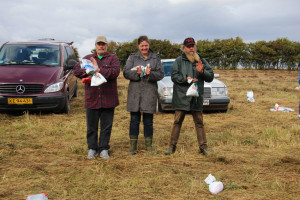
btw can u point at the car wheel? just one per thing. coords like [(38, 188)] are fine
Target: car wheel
[(67, 107), (75, 94)]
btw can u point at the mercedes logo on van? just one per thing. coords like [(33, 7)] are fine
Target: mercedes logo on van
[(20, 89)]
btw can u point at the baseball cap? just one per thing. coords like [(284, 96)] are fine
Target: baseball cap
[(188, 41), (101, 39)]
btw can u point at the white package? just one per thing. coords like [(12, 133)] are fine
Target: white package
[(216, 187), (87, 64), (193, 90), (250, 96), (98, 79)]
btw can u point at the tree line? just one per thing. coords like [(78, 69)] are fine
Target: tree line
[(229, 53)]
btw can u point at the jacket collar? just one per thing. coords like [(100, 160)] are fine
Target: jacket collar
[(184, 56)]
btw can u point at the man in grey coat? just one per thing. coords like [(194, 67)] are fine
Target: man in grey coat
[(189, 69), (143, 69)]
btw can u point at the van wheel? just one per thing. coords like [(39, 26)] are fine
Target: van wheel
[(67, 107)]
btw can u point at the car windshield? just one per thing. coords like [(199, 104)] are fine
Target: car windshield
[(168, 68), (21, 54)]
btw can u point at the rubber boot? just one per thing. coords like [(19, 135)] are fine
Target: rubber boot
[(133, 144), (148, 143)]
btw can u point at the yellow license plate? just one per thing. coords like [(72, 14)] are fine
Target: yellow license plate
[(19, 100)]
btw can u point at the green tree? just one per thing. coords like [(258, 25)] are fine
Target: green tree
[(124, 50), (165, 49), (262, 54), (233, 51), (287, 51), (76, 53)]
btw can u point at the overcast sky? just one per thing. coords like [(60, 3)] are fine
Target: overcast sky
[(124, 20)]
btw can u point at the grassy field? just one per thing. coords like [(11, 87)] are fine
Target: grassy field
[(256, 152)]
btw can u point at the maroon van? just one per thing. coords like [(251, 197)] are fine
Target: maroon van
[(37, 76)]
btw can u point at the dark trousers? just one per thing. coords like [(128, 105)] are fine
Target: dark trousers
[(135, 120), (106, 116), (199, 126)]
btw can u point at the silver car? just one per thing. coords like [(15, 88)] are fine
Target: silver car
[(215, 93)]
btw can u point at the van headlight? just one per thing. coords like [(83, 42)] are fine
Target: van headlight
[(55, 87), (219, 91)]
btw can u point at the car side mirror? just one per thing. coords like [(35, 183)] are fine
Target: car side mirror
[(70, 65)]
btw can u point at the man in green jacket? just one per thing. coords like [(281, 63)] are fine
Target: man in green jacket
[(189, 69)]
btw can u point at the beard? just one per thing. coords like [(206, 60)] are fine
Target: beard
[(193, 57)]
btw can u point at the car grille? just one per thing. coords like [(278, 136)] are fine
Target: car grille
[(207, 92), (12, 88)]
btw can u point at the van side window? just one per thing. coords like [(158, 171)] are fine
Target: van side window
[(70, 52), (66, 57)]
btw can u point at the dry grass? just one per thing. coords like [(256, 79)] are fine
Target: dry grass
[(256, 153)]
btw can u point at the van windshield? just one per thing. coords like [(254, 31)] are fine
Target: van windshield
[(20, 54)]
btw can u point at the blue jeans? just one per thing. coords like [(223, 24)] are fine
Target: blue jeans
[(135, 124)]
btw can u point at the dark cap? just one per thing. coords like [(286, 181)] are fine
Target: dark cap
[(188, 41)]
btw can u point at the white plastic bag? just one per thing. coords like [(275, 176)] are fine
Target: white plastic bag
[(97, 79), (214, 186), (193, 90), (42, 196), (87, 64), (250, 96)]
